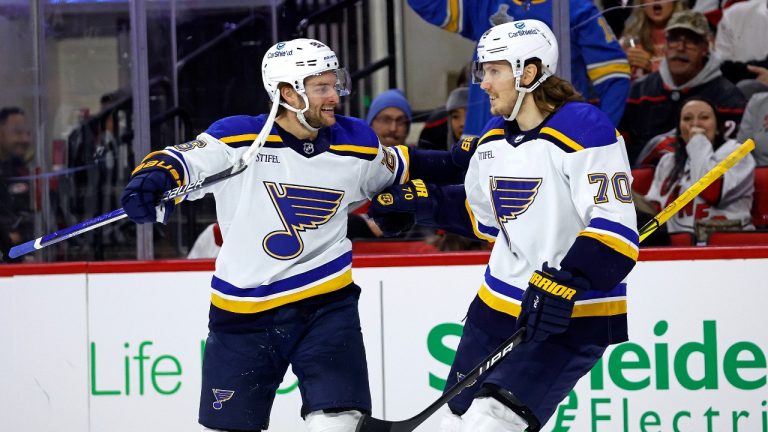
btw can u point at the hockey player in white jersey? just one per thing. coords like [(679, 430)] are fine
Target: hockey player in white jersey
[(282, 292), (549, 181)]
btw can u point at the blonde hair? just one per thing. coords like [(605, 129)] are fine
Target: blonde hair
[(639, 26)]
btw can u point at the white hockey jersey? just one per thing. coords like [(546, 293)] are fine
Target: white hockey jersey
[(730, 197), (284, 219), (538, 192)]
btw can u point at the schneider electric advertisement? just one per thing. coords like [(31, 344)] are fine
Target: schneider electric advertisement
[(122, 351)]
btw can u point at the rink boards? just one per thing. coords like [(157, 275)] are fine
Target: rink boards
[(117, 346)]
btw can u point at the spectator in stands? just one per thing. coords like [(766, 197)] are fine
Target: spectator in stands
[(712, 9), (644, 36), (432, 135), (689, 69), (755, 125), (390, 117), (453, 116), (699, 146), (599, 68), (208, 243), (741, 42), (15, 194)]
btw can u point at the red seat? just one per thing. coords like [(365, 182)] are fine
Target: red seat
[(760, 199), (391, 247), (738, 238), (641, 179), (681, 239)]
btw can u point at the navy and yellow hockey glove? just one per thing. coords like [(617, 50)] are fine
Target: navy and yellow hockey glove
[(141, 196), (548, 302), (397, 208), (462, 151)]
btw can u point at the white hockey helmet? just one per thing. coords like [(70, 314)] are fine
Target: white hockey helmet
[(292, 61), (516, 42)]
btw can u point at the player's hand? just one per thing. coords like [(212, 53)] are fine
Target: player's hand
[(462, 151), (396, 209), (548, 302), (142, 194)]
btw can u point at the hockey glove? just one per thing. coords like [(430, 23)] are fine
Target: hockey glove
[(396, 209), (462, 151), (548, 302), (142, 194)]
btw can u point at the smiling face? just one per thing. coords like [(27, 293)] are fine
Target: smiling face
[(697, 116), (658, 11), (323, 98), (686, 54), (499, 83)]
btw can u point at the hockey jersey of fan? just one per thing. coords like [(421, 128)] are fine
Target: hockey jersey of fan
[(560, 194), (599, 67), (284, 219)]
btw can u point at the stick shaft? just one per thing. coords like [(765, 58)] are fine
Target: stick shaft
[(716, 172)]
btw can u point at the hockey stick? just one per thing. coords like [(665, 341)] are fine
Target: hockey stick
[(371, 424), (696, 188), (116, 215)]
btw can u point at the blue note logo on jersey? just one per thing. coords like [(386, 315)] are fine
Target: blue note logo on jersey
[(300, 208), (511, 196), (221, 396)]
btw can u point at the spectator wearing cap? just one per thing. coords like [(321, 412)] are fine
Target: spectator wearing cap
[(456, 105), (390, 117), (688, 69)]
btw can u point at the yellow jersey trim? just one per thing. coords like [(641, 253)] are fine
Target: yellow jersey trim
[(612, 68), (584, 310), (490, 133), (259, 306), (613, 243), (248, 137), (473, 221), (564, 139), (355, 149), (453, 16)]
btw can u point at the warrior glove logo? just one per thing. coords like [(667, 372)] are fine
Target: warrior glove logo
[(385, 199), (300, 208), (221, 396)]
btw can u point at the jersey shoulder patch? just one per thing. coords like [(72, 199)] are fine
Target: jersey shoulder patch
[(242, 130), (577, 126)]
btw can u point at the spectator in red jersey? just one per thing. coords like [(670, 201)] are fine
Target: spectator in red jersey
[(689, 69)]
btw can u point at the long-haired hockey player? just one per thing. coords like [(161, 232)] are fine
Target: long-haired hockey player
[(549, 181), (282, 292)]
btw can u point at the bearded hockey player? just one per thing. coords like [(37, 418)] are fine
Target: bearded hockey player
[(282, 293)]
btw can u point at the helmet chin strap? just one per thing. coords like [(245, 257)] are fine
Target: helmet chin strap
[(521, 91), (300, 113)]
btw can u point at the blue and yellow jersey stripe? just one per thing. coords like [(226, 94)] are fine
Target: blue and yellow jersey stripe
[(481, 231), (403, 154), (453, 16), (614, 235), (491, 135), (358, 151), (603, 71), (506, 298), (245, 140), (329, 277), (560, 139)]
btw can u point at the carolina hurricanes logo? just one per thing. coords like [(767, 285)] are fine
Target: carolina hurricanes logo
[(300, 208)]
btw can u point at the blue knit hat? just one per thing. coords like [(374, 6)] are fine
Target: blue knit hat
[(390, 98)]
